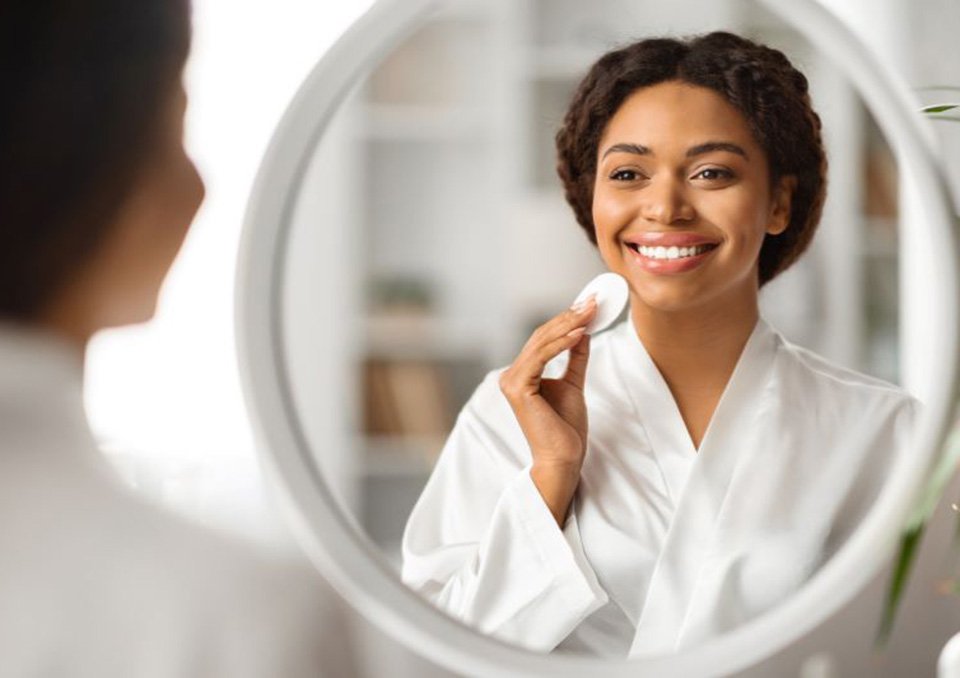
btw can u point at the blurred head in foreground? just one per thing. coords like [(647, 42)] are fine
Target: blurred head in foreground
[(96, 190)]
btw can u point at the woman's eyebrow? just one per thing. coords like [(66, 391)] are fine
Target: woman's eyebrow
[(636, 149), (699, 149), (709, 146)]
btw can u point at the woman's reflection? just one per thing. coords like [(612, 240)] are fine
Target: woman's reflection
[(723, 464)]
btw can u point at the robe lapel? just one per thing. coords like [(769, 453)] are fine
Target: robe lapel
[(698, 481), (657, 411)]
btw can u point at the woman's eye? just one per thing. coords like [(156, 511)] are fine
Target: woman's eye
[(713, 173), (625, 175)]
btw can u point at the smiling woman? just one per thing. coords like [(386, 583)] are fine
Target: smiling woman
[(722, 465)]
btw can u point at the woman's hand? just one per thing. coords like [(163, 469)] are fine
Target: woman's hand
[(552, 413)]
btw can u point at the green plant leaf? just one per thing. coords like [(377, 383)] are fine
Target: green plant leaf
[(908, 550), (937, 482), (939, 108)]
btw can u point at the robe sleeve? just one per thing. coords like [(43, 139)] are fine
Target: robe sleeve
[(481, 543)]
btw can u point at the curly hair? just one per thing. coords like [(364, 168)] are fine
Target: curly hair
[(758, 80)]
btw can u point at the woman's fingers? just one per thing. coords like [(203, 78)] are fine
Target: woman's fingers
[(576, 373), (544, 342), (575, 316), (523, 376), (552, 414), (548, 341), (538, 358)]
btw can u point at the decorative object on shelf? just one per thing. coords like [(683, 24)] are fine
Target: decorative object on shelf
[(401, 293), (406, 398)]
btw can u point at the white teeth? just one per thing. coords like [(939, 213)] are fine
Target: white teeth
[(670, 253)]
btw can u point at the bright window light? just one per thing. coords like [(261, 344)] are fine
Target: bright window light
[(164, 398)]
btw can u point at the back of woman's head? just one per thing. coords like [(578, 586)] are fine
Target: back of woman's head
[(83, 87), (758, 80)]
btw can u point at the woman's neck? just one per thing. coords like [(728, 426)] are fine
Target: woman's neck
[(68, 320), (696, 351)]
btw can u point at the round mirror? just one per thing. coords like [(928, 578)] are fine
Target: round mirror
[(407, 236)]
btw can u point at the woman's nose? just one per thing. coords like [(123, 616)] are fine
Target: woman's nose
[(664, 202)]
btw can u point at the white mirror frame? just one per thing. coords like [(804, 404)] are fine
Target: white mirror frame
[(354, 565)]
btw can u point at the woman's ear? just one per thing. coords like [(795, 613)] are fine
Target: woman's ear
[(780, 207)]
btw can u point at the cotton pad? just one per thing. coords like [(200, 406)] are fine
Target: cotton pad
[(612, 292)]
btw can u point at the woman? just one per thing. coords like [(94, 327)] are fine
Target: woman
[(722, 465), (96, 195)]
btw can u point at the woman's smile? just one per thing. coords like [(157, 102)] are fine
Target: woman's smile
[(666, 253), (666, 260)]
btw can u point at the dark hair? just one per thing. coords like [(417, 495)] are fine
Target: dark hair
[(84, 87), (757, 80)]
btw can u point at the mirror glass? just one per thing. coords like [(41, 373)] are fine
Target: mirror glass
[(433, 195)]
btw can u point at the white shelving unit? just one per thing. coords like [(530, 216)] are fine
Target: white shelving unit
[(453, 190)]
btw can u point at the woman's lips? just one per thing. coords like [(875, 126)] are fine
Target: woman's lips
[(666, 259)]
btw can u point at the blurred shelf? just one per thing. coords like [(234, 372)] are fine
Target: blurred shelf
[(400, 455), (880, 238), (881, 250), (461, 10), (421, 338), (559, 63), (409, 122)]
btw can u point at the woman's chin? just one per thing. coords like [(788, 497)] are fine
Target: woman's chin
[(130, 314), (666, 296), (668, 306)]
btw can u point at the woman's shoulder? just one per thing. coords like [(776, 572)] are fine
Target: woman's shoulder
[(78, 534), (824, 375)]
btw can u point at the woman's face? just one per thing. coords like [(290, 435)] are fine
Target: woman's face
[(682, 198), (151, 226)]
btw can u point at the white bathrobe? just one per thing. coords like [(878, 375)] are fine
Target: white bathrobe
[(95, 582), (664, 546)]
